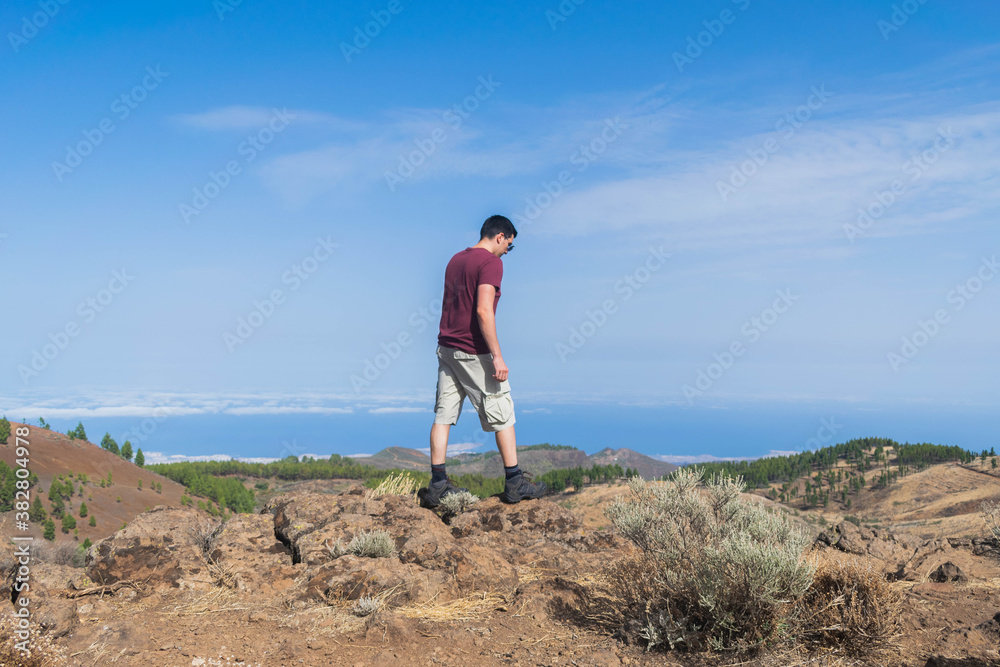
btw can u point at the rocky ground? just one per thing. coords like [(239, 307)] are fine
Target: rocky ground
[(492, 586)]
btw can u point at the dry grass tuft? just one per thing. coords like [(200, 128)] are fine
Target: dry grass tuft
[(851, 607), (624, 592), (396, 484), (219, 599), (991, 515), (469, 608)]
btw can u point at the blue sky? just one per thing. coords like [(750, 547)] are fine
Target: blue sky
[(237, 161)]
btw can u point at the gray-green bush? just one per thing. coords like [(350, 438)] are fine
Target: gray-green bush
[(713, 570), (458, 502), (367, 543)]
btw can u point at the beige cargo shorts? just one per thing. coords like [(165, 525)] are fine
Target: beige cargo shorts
[(462, 374)]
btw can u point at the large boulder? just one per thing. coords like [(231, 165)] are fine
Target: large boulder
[(428, 560), (248, 557), (161, 548)]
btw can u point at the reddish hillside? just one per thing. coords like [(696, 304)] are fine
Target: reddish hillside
[(53, 454)]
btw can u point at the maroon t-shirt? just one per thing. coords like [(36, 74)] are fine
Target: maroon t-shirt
[(466, 271)]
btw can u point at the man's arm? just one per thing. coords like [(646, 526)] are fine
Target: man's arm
[(485, 294)]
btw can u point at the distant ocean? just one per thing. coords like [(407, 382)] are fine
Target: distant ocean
[(744, 430)]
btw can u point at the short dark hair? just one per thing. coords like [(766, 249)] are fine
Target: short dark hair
[(497, 224)]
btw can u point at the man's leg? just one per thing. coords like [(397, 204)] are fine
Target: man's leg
[(506, 443), (439, 443)]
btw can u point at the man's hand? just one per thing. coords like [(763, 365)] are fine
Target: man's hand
[(500, 369)]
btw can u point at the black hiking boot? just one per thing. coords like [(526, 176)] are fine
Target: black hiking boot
[(432, 495), (520, 488)]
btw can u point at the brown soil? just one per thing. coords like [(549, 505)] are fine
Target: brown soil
[(493, 586)]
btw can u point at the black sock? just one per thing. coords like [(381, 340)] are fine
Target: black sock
[(437, 473), (512, 471)]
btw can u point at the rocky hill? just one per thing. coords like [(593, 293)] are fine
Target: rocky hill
[(496, 585)]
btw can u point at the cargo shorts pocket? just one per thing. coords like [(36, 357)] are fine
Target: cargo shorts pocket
[(499, 408)]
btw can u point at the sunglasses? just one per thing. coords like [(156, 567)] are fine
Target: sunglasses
[(510, 246)]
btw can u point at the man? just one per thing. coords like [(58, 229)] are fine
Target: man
[(470, 363)]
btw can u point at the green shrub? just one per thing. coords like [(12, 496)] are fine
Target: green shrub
[(713, 570)]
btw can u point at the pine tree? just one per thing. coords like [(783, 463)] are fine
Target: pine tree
[(79, 433), (49, 531), (83, 510), (140, 460), (68, 522), (93, 520), (107, 441), (37, 513), (127, 451), (4, 430)]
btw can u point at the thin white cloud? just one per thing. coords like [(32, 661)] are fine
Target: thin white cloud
[(524, 141), (160, 457), (699, 458), (808, 191), (457, 448), (287, 410), (239, 117), (709, 458), (391, 410), (137, 411)]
